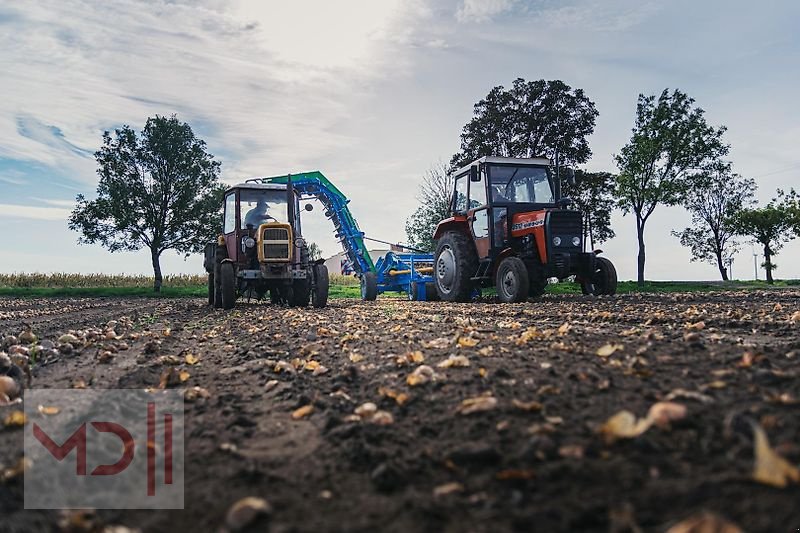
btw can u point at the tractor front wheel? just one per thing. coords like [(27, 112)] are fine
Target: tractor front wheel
[(456, 262), (604, 279), (301, 293), (211, 288), (319, 296), (227, 285), (512, 280), (369, 286)]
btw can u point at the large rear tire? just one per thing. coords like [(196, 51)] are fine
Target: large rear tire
[(455, 263), (430, 292), (227, 285), (512, 282), (319, 296), (369, 286)]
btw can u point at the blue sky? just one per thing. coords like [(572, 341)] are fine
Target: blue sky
[(373, 94)]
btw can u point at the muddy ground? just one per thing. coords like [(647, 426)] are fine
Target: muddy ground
[(523, 453)]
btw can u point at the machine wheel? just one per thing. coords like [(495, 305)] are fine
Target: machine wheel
[(430, 292), (227, 285), (512, 280), (455, 263), (211, 288), (217, 288), (319, 296), (413, 291), (369, 286)]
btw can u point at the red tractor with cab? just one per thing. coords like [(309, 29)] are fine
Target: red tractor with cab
[(511, 229)]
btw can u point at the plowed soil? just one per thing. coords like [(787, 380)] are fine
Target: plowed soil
[(531, 459)]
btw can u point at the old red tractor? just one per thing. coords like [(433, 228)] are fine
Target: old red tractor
[(511, 229)]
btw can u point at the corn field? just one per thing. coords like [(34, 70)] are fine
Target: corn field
[(37, 280), (64, 280)]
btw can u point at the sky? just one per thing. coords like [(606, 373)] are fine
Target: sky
[(373, 93)]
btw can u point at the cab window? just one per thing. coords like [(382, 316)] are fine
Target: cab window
[(460, 198), (477, 193), (229, 225)]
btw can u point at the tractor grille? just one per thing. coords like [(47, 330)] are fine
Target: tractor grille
[(276, 244), (276, 251), (275, 234), (566, 225)]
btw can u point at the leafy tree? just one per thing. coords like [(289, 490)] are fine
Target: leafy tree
[(314, 251), (159, 190), (771, 226), (671, 142), (713, 198), (593, 195), (532, 119), (434, 197)]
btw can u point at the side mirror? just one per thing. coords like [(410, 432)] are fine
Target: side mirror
[(309, 207), (473, 173), (569, 176)]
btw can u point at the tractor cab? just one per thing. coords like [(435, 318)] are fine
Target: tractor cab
[(250, 210), (508, 221), (261, 250)]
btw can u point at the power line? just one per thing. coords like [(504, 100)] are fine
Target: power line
[(797, 165)]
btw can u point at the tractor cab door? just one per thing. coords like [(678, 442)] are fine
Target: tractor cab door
[(478, 214), (230, 223)]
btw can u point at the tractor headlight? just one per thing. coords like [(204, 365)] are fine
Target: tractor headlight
[(249, 242), (556, 241), (300, 242), (576, 241)]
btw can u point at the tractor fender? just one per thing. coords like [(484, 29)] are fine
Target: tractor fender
[(456, 223), (597, 252), (226, 260)]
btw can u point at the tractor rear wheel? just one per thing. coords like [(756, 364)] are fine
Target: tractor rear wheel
[(211, 288), (456, 262), (227, 285), (319, 296), (603, 280), (512, 280), (369, 286)]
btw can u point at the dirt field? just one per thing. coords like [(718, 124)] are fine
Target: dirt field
[(502, 436)]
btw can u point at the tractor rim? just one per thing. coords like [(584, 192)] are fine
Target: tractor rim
[(446, 269), (509, 284)]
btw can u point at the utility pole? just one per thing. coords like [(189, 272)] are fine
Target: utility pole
[(729, 262), (755, 263)]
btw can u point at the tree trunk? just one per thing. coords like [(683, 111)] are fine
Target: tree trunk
[(722, 270), (768, 263), (641, 257), (156, 256)]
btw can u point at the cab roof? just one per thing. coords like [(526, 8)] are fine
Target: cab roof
[(258, 186), (528, 161)]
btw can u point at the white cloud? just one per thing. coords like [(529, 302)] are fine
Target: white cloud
[(482, 10), (33, 212)]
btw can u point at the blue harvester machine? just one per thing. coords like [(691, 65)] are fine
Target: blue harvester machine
[(409, 273)]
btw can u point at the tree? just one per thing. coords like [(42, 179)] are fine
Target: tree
[(314, 251), (532, 119), (159, 191), (435, 193), (771, 226), (713, 198), (671, 142), (593, 195)]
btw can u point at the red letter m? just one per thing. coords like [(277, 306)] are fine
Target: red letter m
[(77, 439)]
